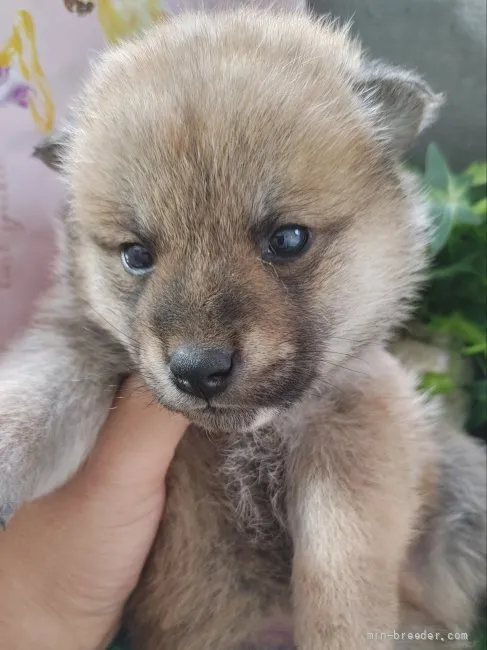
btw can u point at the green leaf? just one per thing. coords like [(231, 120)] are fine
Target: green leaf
[(462, 267), (463, 213), (460, 327), (437, 174), (477, 348), (450, 207), (480, 208), (436, 383), (478, 174)]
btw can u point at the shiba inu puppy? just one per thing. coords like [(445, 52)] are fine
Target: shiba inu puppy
[(241, 233)]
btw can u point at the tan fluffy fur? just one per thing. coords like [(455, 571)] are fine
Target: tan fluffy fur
[(319, 480)]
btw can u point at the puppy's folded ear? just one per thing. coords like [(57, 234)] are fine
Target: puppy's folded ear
[(52, 149), (401, 102)]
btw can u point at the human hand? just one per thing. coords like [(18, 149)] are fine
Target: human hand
[(69, 561)]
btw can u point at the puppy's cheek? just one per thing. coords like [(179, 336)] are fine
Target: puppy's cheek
[(269, 361), (264, 348), (107, 309)]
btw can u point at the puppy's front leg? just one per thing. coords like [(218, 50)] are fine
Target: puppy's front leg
[(344, 589), (352, 505), (56, 386)]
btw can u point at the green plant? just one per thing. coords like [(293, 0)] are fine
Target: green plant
[(454, 304)]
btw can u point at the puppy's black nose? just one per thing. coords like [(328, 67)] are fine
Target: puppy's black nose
[(201, 371)]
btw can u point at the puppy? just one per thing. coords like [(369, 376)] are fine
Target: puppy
[(240, 232)]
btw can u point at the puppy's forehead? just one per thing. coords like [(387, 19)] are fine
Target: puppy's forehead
[(227, 114)]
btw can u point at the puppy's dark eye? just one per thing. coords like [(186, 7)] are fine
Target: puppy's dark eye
[(137, 259), (286, 243)]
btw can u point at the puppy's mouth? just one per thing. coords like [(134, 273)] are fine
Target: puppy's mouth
[(229, 419), (219, 418)]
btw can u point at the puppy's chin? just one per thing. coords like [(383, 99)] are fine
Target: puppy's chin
[(229, 420), (225, 420)]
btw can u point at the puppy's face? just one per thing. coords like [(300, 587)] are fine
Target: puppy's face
[(237, 219)]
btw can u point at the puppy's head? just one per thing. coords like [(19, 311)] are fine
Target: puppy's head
[(238, 219)]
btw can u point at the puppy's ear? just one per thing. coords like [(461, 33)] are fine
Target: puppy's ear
[(402, 104), (52, 149)]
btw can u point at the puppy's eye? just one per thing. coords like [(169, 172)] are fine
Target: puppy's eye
[(137, 259), (286, 243)]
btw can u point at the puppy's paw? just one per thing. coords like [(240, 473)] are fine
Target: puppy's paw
[(42, 444)]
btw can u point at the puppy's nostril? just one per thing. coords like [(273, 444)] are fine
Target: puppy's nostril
[(201, 371)]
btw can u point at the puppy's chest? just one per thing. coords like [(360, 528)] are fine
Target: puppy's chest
[(253, 473)]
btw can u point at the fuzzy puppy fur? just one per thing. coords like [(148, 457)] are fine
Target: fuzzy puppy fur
[(317, 480)]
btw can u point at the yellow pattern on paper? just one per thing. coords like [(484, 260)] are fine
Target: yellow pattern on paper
[(21, 49), (122, 18)]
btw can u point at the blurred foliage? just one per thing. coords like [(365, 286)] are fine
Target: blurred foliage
[(454, 305), (480, 636)]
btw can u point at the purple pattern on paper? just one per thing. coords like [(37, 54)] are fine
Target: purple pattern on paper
[(13, 91)]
